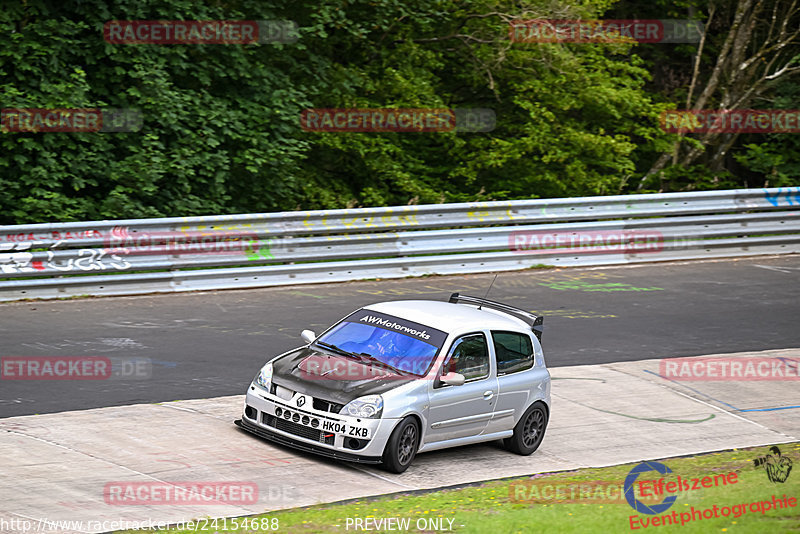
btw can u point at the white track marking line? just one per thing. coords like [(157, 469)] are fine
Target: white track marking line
[(734, 415), (181, 408), (781, 269), (357, 468)]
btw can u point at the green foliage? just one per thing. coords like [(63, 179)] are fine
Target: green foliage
[(221, 129), (204, 147), (754, 160), (774, 161), (693, 178)]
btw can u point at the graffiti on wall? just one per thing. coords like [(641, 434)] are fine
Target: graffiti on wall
[(17, 258)]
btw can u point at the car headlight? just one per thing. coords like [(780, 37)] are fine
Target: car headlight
[(369, 406), (264, 376)]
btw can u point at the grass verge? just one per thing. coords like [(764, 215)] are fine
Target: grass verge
[(536, 504)]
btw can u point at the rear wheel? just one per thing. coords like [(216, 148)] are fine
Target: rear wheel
[(529, 431), (402, 446)]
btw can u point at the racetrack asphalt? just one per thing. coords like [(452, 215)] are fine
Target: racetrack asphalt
[(210, 344), (82, 471)]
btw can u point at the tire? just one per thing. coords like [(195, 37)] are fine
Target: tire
[(529, 430), (402, 446)]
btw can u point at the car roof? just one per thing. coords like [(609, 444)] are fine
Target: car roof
[(449, 317)]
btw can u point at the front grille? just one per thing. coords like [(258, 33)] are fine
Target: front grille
[(293, 427), (319, 404), (326, 406)]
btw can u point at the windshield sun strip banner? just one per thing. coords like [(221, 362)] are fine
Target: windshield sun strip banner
[(395, 324)]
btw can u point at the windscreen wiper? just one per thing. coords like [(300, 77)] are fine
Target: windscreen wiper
[(337, 350)]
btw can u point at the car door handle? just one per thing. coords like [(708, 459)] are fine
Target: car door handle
[(488, 394)]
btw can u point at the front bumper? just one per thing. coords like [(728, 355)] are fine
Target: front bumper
[(264, 416), (303, 446)]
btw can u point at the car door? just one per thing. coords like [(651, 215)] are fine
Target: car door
[(517, 377), (462, 411)]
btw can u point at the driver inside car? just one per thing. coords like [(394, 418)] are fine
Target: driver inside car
[(389, 347)]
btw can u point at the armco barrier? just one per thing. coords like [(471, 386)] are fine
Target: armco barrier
[(125, 257)]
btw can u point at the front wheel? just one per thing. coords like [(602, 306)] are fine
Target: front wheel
[(402, 446), (529, 431)]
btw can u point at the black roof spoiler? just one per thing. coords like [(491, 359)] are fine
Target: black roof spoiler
[(536, 322)]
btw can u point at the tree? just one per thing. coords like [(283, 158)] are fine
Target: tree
[(759, 50), (221, 127)]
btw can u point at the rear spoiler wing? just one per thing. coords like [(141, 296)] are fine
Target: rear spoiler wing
[(536, 322)]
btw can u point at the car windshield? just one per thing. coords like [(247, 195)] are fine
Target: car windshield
[(404, 345)]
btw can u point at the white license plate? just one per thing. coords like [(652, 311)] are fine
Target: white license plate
[(345, 429)]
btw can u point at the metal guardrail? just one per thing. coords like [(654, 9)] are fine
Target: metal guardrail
[(123, 257)]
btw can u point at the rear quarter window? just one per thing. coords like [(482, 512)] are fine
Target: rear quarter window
[(514, 352)]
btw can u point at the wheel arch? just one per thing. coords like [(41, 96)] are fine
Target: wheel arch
[(533, 400), (418, 418)]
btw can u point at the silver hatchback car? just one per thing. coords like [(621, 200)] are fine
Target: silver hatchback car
[(394, 379)]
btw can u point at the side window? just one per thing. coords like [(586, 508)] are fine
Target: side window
[(514, 352), (469, 356)]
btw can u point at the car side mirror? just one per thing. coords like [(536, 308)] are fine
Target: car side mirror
[(308, 336), (453, 379)]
